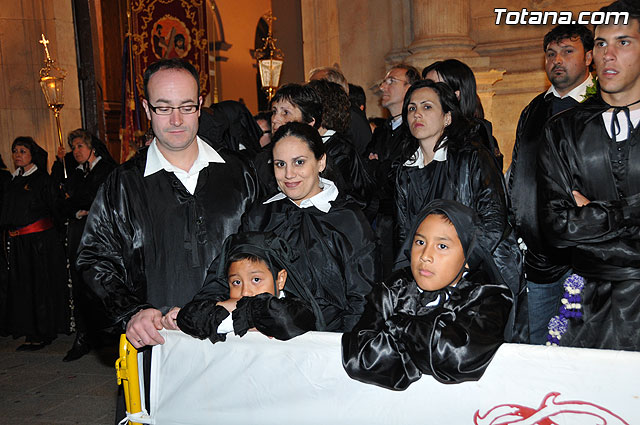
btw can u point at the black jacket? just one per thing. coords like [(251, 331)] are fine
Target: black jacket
[(148, 242), (399, 337), (543, 263), (578, 154), (469, 175), (346, 169), (386, 143), (338, 248), (279, 317)]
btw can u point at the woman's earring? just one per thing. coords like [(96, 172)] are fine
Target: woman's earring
[(320, 184)]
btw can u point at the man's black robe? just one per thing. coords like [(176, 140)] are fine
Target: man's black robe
[(386, 145), (543, 263), (148, 242), (603, 236), (346, 170)]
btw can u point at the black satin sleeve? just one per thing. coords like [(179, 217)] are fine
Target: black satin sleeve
[(403, 221), (371, 353), (108, 266), (281, 318), (201, 319), (456, 342), (559, 173)]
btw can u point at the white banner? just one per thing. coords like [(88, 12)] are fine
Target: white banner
[(257, 380)]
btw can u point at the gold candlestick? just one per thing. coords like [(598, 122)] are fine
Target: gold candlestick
[(52, 85)]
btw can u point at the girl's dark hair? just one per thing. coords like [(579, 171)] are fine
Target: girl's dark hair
[(304, 98), (460, 78), (456, 133), (38, 155), (335, 105), (303, 132)]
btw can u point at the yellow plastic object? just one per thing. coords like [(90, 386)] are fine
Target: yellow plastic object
[(127, 372)]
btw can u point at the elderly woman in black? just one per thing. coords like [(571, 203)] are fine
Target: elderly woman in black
[(325, 226), (80, 189), (444, 160), (37, 295)]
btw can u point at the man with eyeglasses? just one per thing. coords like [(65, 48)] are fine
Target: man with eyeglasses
[(161, 218), (384, 151)]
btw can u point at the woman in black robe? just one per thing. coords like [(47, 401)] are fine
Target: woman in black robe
[(326, 227), (5, 178), (444, 161), (37, 301), (460, 78), (450, 333), (282, 314), (79, 190)]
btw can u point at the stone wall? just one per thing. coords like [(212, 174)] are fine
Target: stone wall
[(23, 110), (367, 37)]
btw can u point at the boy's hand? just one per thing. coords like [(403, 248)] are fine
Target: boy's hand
[(229, 304), (169, 320), (580, 199)]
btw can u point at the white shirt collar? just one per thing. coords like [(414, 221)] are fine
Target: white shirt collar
[(26, 173), (577, 93), (321, 201), (396, 122), (327, 135), (93, 163), (156, 161), (440, 155)]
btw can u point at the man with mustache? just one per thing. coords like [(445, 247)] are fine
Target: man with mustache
[(568, 54), (589, 190)]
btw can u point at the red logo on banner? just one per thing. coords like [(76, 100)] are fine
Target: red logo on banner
[(549, 412)]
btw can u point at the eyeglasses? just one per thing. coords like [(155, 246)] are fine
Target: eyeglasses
[(390, 80), (168, 110)]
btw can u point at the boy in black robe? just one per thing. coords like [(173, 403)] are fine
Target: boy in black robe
[(444, 315), (254, 268)]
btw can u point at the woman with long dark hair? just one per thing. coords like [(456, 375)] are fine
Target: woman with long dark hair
[(443, 160), (325, 226), (37, 293), (463, 82)]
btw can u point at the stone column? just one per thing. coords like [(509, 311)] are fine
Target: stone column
[(441, 31), (23, 110)]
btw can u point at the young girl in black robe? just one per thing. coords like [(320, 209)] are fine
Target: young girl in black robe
[(444, 315), (265, 291), (37, 292), (326, 227)]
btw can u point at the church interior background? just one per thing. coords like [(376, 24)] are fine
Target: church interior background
[(365, 37)]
